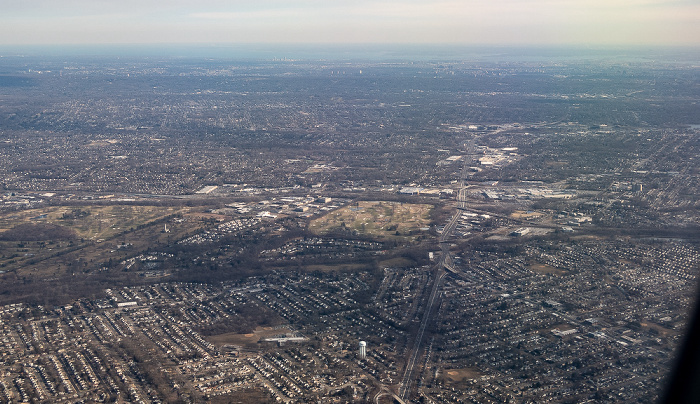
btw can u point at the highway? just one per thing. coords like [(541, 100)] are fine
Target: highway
[(445, 263), (386, 393), (439, 268), (407, 381)]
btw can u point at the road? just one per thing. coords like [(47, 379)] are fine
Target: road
[(439, 268), (446, 263), (386, 392), (407, 381)]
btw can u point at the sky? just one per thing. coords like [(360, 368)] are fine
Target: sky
[(475, 22)]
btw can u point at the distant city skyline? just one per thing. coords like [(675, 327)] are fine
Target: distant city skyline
[(518, 22)]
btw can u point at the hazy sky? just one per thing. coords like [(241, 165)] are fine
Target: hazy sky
[(587, 22)]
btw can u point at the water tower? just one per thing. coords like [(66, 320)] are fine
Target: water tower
[(363, 349)]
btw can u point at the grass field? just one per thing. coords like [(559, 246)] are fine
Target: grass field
[(378, 219), (90, 222)]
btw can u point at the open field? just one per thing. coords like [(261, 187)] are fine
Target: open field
[(460, 375), (247, 340), (399, 262), (661, 330), (90, 222), (546, 269), (379, 219), (527, 215), (563, 327), (54, 238)]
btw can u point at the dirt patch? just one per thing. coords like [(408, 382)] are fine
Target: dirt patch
[(247, 340), (243, 396), (556, 164), (662, 331), (563, 327), (587, 237), (546, 269), (521, 214), (460, 375)]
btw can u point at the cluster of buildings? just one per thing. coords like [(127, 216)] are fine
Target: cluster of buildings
[(588, 316), (143, 344), (565, 274), (595, 320), (323, 248), (534, 193)]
